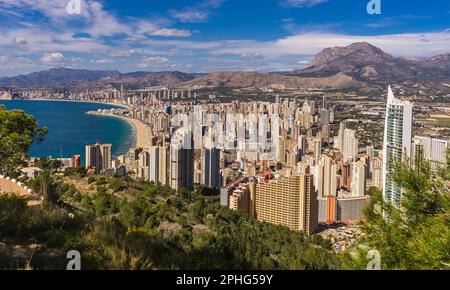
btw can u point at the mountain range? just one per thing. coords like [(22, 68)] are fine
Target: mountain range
[(359, 65), (369, 64), (68, 78)]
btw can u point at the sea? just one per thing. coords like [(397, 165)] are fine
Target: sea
[(70, 129)]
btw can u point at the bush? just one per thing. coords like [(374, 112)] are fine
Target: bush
[(13, 215)]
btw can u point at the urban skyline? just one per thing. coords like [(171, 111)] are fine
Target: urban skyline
[(224, 135)]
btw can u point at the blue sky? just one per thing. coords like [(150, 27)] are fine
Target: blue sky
[(209, 35)]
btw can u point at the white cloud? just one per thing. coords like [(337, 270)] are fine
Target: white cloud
[(102, 22), (123, 52), (417, 44), (189, 16), (51, 9), (252, 55), (102, 61), (171, 32), (20, 40), (156, 61), (197, 13), (54, 57)]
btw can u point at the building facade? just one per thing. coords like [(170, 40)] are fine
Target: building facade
[(397, 143)]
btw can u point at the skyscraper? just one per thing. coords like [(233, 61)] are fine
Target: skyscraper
[(210, 159), (181, 162), (325, 173), (143, 165), (317, 148), (324, 117), (358, 183), (154, 164), (349, 145), (397, 143), (98, 156), (290, 201), (338, 142)]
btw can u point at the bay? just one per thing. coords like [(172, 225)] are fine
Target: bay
[(71, 129)]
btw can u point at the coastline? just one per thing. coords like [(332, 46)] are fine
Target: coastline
[(76, 101), (140, 129)]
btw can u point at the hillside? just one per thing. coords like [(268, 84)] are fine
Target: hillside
[(264, 81)]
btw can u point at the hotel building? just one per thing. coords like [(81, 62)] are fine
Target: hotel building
[(397, 143), (289, 201)]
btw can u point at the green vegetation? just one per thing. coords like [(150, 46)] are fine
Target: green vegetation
[(136, 225), (442, 122), (17, 132), (417, 234), (48, 164)]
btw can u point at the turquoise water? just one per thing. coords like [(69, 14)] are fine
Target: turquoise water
[(70, 129)]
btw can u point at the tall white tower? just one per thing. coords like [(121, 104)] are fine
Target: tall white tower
[(397, 143)]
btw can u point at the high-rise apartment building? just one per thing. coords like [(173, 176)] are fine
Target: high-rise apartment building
[(210, 166), (324, 117), (181, 167), (164, 165), (431, 149), (349, 145), (289, 201), (143, 165), (339, 140), (397, 143), (377, 173), (317, 148), (153, 167), (99, 156), (358, 183), (325, 177)]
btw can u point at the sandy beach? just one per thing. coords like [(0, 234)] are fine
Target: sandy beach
[(141, 130)]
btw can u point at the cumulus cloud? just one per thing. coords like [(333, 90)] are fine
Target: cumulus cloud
[(313, 42), (54, 57), (171, 32)]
